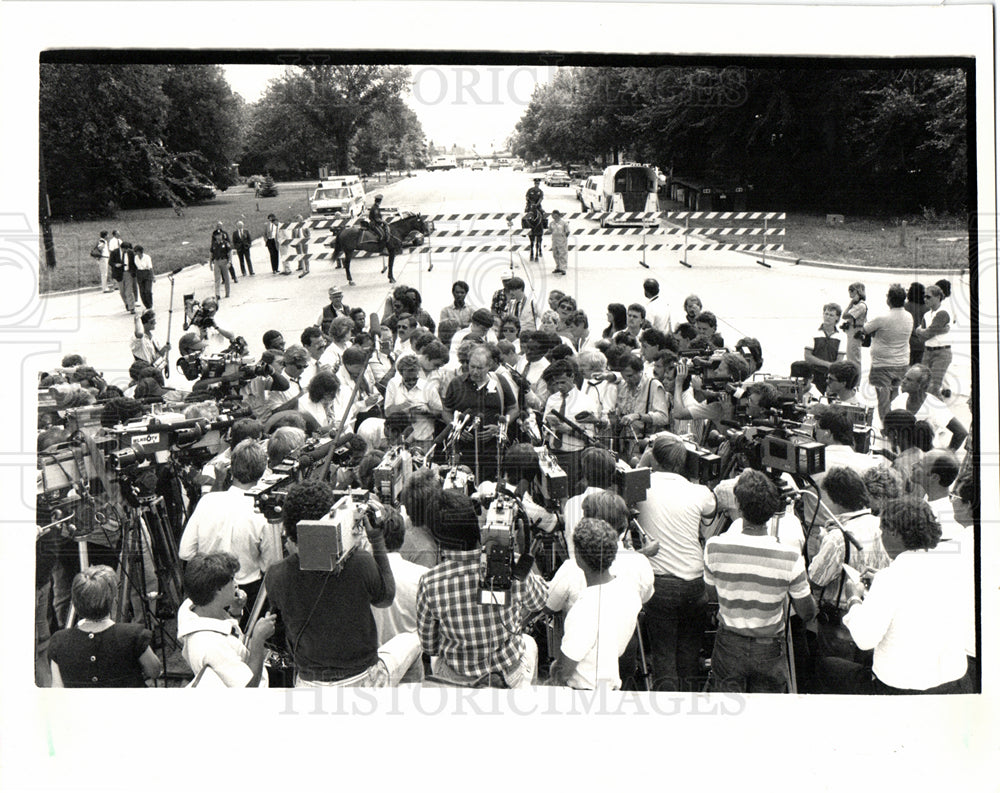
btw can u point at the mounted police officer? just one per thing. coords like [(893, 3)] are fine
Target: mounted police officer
[(376, 222), (533, 198)]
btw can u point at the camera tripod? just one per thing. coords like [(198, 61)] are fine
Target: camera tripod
[(149, 580)]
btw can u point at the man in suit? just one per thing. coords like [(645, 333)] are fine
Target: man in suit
[(241, 244)]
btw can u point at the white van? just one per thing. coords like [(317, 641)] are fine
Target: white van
[(443, 162), (339, 195), (623, 188)]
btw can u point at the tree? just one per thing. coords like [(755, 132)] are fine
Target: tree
[(97, 126), (311, 116), (393, 135), (203, 118)]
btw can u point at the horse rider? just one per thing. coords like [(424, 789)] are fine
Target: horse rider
[(533, 198), (377, 223)]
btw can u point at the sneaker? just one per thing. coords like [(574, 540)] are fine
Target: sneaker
[(303, 275)]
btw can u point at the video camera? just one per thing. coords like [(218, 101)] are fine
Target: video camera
[(269, 493), (396, 466), (554, 482), (497, 569), (325, 544), (632, 483), (780, 446)]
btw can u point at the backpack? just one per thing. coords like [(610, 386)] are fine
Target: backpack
[(98, 250)]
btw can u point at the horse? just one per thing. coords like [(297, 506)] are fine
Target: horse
[(360, 238), (535, 222)]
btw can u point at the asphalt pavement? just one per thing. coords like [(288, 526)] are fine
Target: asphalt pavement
[(780, 304)]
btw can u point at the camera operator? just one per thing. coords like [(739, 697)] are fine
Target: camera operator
[(835, 429), (227, 521), (190, 346), (729, 368), (750, 574), (842, 380), (674, 514), (269, 388), (472, 640), (202, 316), (328, 619)]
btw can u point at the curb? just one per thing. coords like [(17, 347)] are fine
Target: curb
[(842, 266), (83, 289)]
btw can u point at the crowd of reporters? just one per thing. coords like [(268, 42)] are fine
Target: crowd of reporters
[(854, 576)]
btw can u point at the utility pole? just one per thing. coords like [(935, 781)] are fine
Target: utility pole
[(44, 211)]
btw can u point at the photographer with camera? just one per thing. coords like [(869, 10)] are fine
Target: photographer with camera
[(202, 316), (328, 619), (269, 388), (471, 640), (675, 514)]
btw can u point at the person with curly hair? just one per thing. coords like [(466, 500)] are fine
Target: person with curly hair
[(601, 622), (911, 616), (329, 625)]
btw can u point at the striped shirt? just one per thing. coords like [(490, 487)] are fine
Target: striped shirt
[(753, 574)]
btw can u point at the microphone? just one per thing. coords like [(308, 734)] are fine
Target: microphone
[(502, 428)]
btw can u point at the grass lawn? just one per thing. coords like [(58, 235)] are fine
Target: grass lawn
[(171, 240), (876, 243)]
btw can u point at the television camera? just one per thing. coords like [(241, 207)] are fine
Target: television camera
[(326, 544), (497, 566), (269, 493)]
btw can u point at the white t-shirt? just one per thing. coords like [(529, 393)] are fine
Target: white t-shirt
[(401, 615), (598, 629), (569, 581), (671, 515)]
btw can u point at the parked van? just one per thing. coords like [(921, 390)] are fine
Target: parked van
[(624, 188), (339, 195)]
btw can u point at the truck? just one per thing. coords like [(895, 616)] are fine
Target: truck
[(339, 195), (443, 162)]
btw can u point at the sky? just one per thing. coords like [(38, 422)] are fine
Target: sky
[(471, 106)]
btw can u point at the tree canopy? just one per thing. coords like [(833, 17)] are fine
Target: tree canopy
[(856, 139), (116, 135), (345, 117)]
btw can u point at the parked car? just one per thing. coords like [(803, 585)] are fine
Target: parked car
[(556, 178)]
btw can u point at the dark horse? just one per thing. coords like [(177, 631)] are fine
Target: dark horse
[(535, 222), (359, 238)]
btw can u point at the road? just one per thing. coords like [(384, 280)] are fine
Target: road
[(781, 305)]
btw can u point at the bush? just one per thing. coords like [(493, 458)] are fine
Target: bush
[(267, 188)]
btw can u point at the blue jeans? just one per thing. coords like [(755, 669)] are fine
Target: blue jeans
[(675, 622), (749, 665)]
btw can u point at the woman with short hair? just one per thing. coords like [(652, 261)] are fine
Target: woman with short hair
[(98, 652)]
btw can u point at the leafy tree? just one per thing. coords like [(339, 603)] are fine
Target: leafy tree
[(312, 116), (203, 117)]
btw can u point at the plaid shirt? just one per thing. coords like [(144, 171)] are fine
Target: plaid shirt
[(473, 639)]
